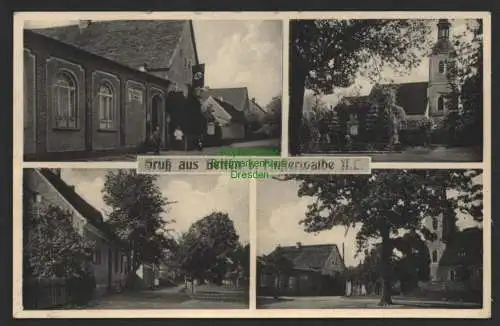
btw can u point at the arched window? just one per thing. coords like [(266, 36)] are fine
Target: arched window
[(440, 104), (106, 107), (442, 67), (65, 101), (434, 256)]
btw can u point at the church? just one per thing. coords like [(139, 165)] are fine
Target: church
[(420, 100)]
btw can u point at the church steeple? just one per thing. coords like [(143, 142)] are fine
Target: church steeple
[(443, 29), (440, 61)]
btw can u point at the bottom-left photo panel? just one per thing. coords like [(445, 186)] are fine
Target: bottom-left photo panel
[(115, 239)]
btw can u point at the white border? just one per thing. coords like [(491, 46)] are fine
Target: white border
[(19, 19)]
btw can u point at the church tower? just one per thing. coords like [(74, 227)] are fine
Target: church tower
[(436, 247), (440, 61)]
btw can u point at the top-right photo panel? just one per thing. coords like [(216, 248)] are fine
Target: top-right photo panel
[(398, 90)]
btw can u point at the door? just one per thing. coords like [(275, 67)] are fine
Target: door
[(154, 121)]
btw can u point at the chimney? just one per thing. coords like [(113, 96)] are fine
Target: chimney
[(144, 67), (253, 99), (82, 24), (298, 245)]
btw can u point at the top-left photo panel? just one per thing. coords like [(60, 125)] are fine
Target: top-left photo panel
[(109, 90)]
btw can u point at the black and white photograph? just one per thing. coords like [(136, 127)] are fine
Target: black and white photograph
[(107, 90), (399, 90), (407, 239), (114, 239)]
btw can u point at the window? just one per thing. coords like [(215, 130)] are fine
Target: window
[(442, 67), (97, 257), (453, 275), (440, 104), (106, 107), (117, 260), (434, 256), (65, 101), (435, 224)]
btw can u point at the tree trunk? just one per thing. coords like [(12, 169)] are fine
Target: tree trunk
[(296, 81), (385, 262)]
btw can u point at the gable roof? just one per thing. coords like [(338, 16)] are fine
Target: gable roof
[(412, 97), (132, 43), (236, 115), (308, 258), (93, 216), (234, 96), (465, 249), (255, 104)]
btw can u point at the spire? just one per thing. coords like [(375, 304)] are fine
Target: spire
[(443, 29)]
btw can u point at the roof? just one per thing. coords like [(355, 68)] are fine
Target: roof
[(132, 43), (412, 97), (255, 104), (465, 249), (77, 202), (234, 96), (236, 115), (309, 258)]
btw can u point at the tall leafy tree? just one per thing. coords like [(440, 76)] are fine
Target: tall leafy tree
[(206, 245), (330, 54), (137, 214), (387, 203), (466, 80)]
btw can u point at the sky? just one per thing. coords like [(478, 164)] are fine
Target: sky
[(362, 86), (236, 53), (196, 196), (280, 210)]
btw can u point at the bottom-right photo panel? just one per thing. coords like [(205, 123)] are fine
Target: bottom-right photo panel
[(399, 238)]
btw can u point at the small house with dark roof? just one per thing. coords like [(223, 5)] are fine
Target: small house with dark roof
[(225, 117), (45, 187), (106, 86), (427, 99), (236, 96), (302, 270)]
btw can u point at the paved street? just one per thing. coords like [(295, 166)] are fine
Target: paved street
[(175, 298), (263, 147), (339, 302), (419, 154)]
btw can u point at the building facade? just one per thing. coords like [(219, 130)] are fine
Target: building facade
[(104, 86), (229, 120)]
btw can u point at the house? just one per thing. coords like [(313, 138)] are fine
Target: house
[(419, 100), (106, 86), (302, 270), (223, 116), (45, 187), (257, 110)]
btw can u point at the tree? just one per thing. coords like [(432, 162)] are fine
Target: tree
[(387, 203), (279, 264), (54, 248), (137, 214), (465, 77), (328, 54), (272, 119), (205, 246)]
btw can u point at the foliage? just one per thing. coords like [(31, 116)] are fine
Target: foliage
[(203, 249), (328, 54), (137, 214), (466, 81), (272, 119), (54, 248), (387, 203)]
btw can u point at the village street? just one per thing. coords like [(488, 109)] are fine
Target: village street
[(419, 154), (340, 302), (206, 297), (267, 147)]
